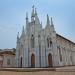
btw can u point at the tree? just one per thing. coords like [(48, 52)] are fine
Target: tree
[(14, 50)]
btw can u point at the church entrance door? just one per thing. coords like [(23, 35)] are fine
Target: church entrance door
[(32, 60), (21, 62), (50, 60)]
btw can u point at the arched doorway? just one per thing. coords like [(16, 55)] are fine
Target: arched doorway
[(50, 60), (21, 62), (32, 60)]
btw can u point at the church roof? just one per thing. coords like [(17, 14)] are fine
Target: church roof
[(65, 38)]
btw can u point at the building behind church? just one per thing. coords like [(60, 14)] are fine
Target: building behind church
[(43, 47), (7, 58)]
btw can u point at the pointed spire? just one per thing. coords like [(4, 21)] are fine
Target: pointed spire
[(41, 24), (36, 18), (35, 12), (26, 15), (23, 32), (51, 21), (52, 25), (48, 21), (26, 18), (32, 15), (18, 35)]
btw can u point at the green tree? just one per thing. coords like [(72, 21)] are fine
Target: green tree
[(14, 50)]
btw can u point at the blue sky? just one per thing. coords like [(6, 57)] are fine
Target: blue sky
[(12, 18)]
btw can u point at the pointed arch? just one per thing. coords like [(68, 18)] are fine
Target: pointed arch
[(21, 62), (49, 42), (50, 60), (33, 60), (32, 41)]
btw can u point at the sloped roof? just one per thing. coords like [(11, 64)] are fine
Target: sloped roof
[(65, 38)]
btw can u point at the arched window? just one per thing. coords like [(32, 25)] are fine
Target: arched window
[(49, 42), (32, 41)]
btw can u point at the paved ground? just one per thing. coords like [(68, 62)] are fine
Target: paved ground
[(70, 68), (37, 71)]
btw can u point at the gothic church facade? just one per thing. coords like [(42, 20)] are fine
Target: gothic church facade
[(43, 47)]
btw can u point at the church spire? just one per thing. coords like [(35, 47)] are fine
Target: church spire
[(48, 21), (32, 14), (35, 12), (26, 18), (41, 24), (51, 21), (27, 23), (18, 36), (36, 18), (52, 25), (23, 32), (26, 15)]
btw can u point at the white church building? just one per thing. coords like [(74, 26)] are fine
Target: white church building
[(43, 47)]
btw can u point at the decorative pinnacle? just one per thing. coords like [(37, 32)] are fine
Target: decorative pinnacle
[(26, 15), (18, 35), (32, 15), (48, 22), (23, 30), (35, 12), (33, 6), (51, 21)]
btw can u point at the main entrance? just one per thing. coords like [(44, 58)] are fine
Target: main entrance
[(50, 60), (32, 60)]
